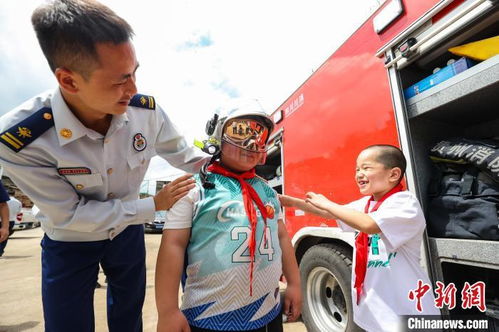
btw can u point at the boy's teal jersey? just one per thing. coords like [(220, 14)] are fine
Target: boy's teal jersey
[(217, 290)]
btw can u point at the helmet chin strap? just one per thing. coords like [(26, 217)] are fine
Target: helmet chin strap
[(203, 172)]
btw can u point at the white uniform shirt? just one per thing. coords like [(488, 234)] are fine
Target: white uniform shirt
[(393, 264), (87, 185), (14, 208)]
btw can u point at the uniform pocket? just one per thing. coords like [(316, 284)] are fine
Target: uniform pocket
[(82, 182), (138, 163), (136, 159)]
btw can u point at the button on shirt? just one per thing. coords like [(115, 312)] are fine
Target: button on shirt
[(96, 196)]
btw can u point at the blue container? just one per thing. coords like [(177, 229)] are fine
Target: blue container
[(442, 75)]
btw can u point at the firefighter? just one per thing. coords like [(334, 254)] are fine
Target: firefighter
[(80, 153)]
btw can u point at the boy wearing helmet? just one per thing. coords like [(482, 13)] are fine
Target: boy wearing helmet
[(227, 235)]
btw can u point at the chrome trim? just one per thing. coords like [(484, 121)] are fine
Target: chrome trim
[(418, 23), (402, 122), (434, 32)]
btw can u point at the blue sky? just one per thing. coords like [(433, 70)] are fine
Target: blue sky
[(195, 55)]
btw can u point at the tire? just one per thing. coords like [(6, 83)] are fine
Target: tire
[(326, 286)]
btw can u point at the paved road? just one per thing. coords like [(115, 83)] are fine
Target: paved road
[(20, 299)]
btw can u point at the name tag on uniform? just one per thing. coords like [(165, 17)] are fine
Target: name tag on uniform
[(74, 171)]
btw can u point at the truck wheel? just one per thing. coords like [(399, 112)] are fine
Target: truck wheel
[(326, 286)]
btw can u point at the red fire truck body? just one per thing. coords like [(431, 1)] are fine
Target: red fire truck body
[(355, 99)]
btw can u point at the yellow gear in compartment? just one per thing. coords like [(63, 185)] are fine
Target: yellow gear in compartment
[(479, 50)]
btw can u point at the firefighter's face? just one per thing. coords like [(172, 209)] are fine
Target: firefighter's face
[(372, 177)]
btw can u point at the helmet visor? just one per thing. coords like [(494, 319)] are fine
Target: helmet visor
[(248, 134)]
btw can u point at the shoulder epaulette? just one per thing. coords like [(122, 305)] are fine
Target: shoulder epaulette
[(23, 133), (143, 101)]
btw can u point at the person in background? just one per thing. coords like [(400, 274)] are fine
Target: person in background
[(15, 208), (231, 229), (4, 218), (389, 225), (80, 153)]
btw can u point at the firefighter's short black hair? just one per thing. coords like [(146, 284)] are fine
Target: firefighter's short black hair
[(68, 31)]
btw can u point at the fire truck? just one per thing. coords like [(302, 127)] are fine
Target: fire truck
[(356, 99)]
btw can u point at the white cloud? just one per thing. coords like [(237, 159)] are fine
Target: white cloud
[(196, 54)]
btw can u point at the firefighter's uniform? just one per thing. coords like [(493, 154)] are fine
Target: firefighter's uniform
[(87, 187)]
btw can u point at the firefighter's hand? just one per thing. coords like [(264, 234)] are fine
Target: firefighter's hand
[(318, 200), (173, 191), (4, 233), (292, 302), (173, 322)]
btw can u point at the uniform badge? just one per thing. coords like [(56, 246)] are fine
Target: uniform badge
[(28, 130), (139, 142), (143, 101), (24, 132), (74, 170)]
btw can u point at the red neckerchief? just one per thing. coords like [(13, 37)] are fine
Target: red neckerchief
[(249, 196), (362, 245)]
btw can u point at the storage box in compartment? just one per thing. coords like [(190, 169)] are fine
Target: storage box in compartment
[(468, 98), (440, 76)]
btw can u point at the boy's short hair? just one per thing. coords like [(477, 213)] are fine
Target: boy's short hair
[(68, 30), (390, 156)]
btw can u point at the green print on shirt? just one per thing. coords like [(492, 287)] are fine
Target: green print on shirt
[(380, 263), (373, 243)]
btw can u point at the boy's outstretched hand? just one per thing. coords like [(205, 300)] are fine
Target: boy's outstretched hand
[(173, 191), (292, 302), (173, 322), (318, 200)]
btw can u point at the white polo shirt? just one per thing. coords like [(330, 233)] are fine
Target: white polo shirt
[(393, 267)]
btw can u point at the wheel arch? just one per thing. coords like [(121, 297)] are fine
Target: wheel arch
[(307, 237)]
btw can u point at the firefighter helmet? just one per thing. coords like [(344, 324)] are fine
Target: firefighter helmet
[(246, 126)]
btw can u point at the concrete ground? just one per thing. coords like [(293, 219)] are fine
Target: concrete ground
[(20, 295)]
